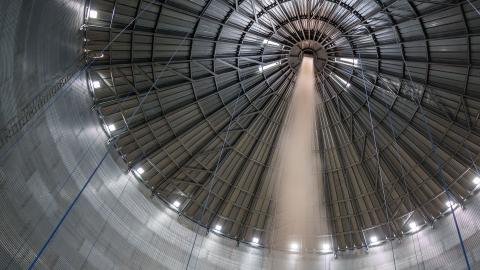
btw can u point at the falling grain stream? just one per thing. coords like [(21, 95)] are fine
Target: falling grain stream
[(299, 218)]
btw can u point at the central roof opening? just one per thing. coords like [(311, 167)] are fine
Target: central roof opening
[(308, 53), (310, 48)]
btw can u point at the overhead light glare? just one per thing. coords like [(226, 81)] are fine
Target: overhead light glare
[(140, 170), (294, 246), (255, 240), (476, 180), (450, 204), (263, 68), (271, 43), (98, 56), (347, 61), (111, 127), (325, 247), (176, 204), (96, 84), (342, 81), (218, 227), (373, 239), (93, 14), (413, 226)]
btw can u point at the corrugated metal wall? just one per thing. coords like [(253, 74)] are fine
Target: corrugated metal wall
[(115, 224)]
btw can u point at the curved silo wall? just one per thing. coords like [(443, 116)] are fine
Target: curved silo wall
[(115, 224)]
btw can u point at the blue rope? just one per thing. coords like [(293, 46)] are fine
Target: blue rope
[(474, 7), (212, 181), (72, 204), (52, 198), (377, 155), (403, 175), (127, 121), (66, 88), (435, 155), (70, 207)]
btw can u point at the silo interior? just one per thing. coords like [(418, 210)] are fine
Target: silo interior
[(239, 134)]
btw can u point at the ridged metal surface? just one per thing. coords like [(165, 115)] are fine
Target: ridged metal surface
[(117, 225), (40, 47), (38, 104), (407, 68)]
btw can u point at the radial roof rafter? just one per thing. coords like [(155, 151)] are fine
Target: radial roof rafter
[(216, 76)]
